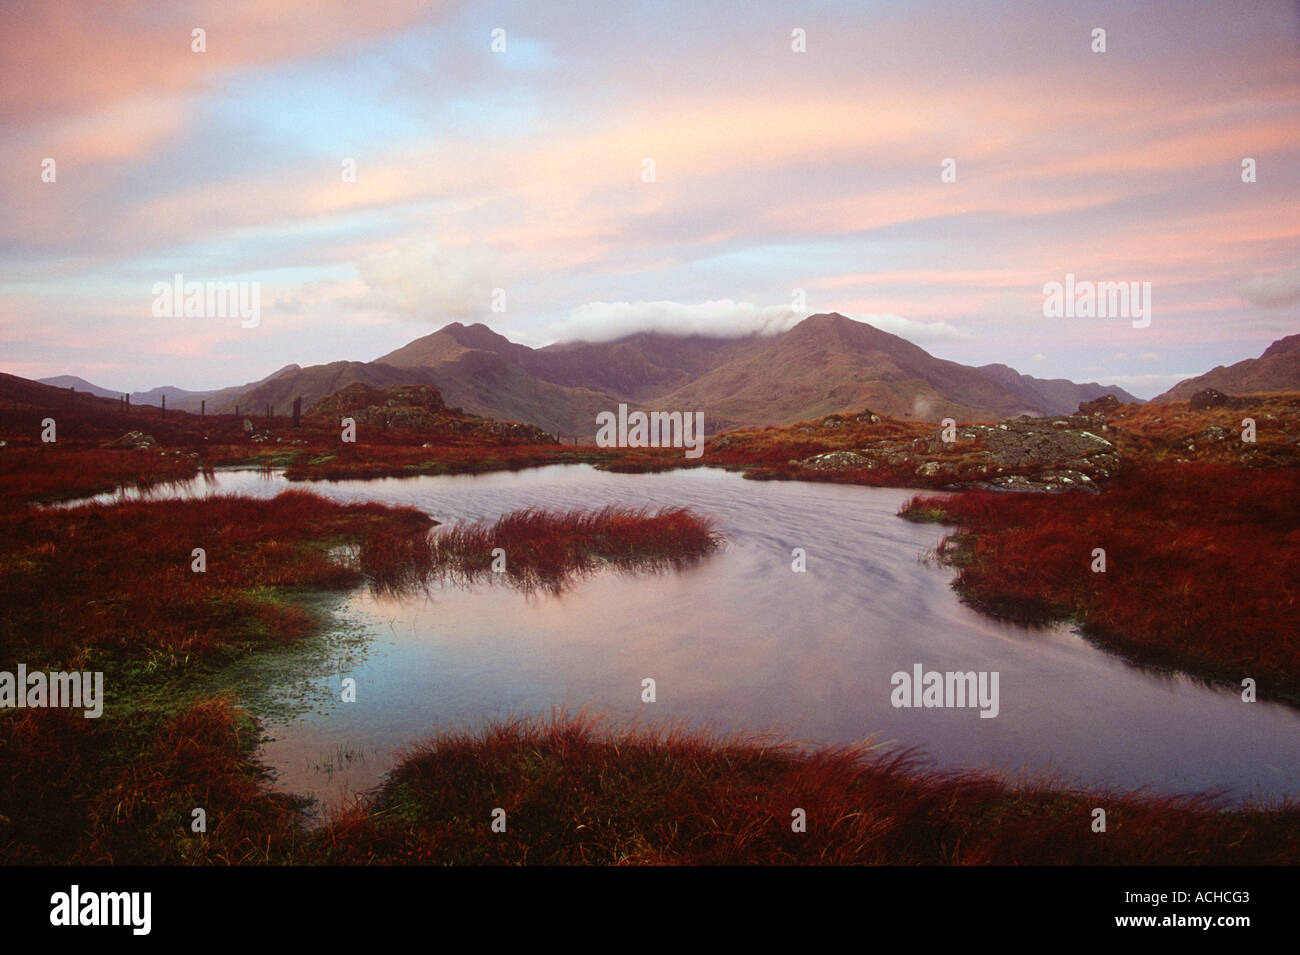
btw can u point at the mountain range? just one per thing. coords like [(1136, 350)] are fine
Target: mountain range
[(1277, 369), (826, 364)]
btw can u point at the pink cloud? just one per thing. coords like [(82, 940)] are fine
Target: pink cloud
[(79, 56)]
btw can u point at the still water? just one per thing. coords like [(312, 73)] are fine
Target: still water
[(741, 643)]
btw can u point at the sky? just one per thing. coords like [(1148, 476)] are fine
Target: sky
[(585, 170)]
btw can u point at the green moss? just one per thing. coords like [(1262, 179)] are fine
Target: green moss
[(926, 515)]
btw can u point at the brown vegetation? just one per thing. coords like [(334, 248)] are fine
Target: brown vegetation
[(575, 795), (1202, 565)]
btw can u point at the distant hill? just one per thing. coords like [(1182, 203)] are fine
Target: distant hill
[(638, 366), (25, 404), (826, 364), (177, 398), (1277, 369), (486, 374), (21, 392), (80, 384), (311, 384), (1057, 396)]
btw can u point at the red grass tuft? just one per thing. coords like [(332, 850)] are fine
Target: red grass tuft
[(1202, 565)]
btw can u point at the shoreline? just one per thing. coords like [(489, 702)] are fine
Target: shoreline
[(175, 744)]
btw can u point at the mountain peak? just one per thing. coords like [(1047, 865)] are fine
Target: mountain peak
[(828, 363), (286, 370), (829, 319), (477, 335), (832, 327), (835, 321), (1277, 369), (826, 322), (1283, 345)]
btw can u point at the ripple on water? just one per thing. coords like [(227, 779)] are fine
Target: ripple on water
[(741, 643)]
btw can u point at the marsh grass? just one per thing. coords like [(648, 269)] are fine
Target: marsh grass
[(547, 549), (577, 791), (1202, 565)]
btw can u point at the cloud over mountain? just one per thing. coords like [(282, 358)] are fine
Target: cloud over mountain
[(724, 318)]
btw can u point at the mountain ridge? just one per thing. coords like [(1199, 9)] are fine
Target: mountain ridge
[(1277, 369), (827, 363)]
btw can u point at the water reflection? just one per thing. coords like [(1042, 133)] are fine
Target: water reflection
[(742, 643)]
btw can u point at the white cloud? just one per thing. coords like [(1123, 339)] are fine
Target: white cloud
[(1272, 291), (913, 331), (424, 280), (607, 321), (1039, 356)]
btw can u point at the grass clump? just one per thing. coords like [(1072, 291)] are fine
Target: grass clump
[(575, 795), (1202, 565)]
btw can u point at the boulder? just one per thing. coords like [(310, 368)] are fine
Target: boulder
[(1210, 398), (1102, 406), (134, 439)]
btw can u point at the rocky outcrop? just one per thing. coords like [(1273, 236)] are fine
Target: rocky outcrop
[(134, 439), (1024, 453), (1209, 398), (420, 409), (1105, 405), (405, 404)]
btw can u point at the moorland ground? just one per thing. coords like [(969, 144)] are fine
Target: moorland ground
[(1200, 531)]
